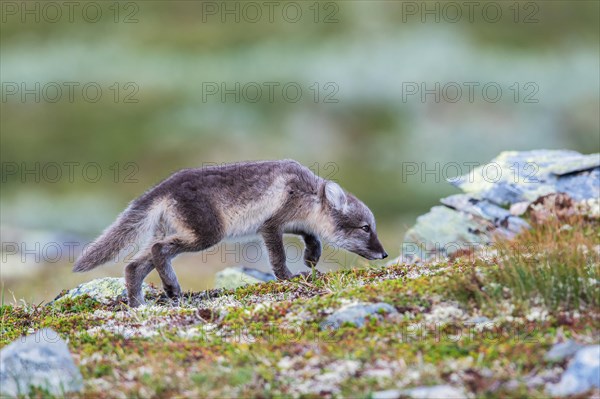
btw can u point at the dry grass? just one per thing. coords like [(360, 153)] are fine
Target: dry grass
[(556, 264)]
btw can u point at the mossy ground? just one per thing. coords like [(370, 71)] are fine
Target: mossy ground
[(265, 340)]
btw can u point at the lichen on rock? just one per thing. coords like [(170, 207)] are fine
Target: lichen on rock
[(103, 290)]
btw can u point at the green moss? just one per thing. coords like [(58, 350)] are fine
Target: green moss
[(80, 304), (267, 342)]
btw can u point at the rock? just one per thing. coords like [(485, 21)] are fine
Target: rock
[(503, 221), (357, 314), (516, 176), (434, 392), (543, 377), (234, 277), (519, 208), (444, 313), (582, 374), (103, 290), (580, 186), (389, 394), (479, 320), (562, 351), (569, 164), (514, 180), (441, 233), (511, 385), (38, 360)]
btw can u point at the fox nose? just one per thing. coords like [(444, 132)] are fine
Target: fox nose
[(384, 255)]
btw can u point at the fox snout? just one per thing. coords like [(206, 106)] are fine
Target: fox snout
[(376, 249), (380, 255), (383, 254), (368, 247), (373, 255), (362, 243)]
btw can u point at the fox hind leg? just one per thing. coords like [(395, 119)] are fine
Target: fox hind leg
[(181, 234), (159, 257), (135, 273), (164, 251)]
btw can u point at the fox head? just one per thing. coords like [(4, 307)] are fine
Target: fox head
[(353, 223)]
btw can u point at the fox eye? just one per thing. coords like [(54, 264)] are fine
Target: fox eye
[(366, 228)]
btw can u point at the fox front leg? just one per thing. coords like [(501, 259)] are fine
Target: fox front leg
[(274, 243), (312, 250)]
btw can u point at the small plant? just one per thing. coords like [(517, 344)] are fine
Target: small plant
[(551, 265), (338, 282), (84, 303)]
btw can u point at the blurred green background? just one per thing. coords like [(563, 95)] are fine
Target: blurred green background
[(379, 98)]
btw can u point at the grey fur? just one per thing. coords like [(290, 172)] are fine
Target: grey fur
[(195, 209)]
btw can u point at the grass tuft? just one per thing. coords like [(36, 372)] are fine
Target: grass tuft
[(555, 264)]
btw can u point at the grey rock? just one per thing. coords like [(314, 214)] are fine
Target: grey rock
[(534, 382), (562, 350), (511, 180), (519, 208), (257, 274), (511, 385), (574, 163), (543, 377), (477, 207), (506, 193), (503, 221), (357, 314), (102, 289), (38, 360), (389, 394), (580, 186), (442, 232), (479, 320), (434, 392), (234, 277), (515, 176), (582, 374)]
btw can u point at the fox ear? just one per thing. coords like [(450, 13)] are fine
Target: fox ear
[(335, 196)]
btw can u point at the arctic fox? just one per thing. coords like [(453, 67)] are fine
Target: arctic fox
[(195, 209)]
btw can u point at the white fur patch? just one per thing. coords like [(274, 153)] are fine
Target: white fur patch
[(315, 222), (246, 219), (163, 215)]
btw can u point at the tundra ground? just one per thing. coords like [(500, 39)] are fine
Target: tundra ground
[(482, 322)]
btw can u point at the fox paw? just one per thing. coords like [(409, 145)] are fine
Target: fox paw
[(309, 275), (136, 302), (173, 292)]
